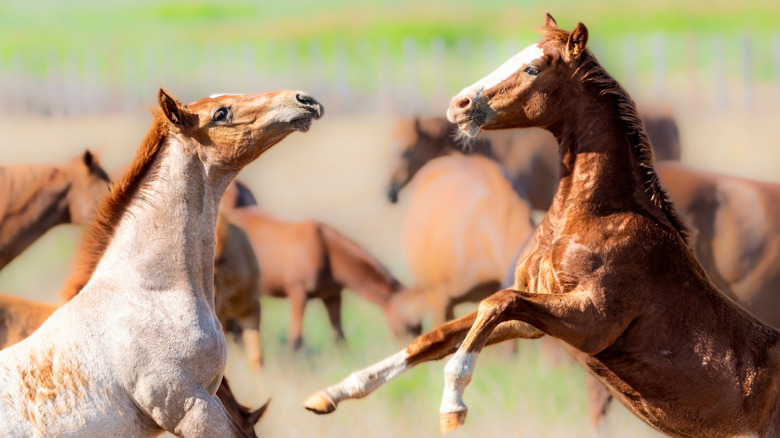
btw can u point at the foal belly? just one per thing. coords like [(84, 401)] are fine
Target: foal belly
[(680, 400)]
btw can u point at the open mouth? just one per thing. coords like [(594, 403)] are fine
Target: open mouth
[(302, 123), (469, 127)]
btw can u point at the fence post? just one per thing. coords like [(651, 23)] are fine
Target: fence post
[(630, 59), (658, 52), (385, 73), (341, 74), (747, 70), (411, 75), (776, 58), (692, 62), (719, 71)]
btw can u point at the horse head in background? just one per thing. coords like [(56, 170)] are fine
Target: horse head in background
[(35, 197)]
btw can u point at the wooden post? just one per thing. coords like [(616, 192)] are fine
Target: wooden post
[(776, 58), (719, 72), (658, 55), (747, 70)]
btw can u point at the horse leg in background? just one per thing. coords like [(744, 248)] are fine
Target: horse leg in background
[(297, 296), (599, 399), (571, 317), (332, 302), (434, 345), (250, 336), (441, 305)]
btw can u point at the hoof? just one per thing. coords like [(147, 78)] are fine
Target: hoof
[(320, 403), (449, 421)]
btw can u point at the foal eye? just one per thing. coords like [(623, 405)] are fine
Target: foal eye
[(220, 115), (531, 71)]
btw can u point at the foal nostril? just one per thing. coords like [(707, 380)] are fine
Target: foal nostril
[(306, 100), (463, 103)]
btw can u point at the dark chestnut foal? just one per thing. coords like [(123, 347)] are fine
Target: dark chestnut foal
[(609, 271)]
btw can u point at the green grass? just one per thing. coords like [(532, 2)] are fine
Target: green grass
[(55, 25)]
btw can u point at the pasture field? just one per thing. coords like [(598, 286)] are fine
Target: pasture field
[(335, 173), (121, 23)]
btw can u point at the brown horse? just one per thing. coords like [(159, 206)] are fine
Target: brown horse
[(139, 350), (530, 156), (609, 271), (34, 198), (306, 260), (20, 317), (735, 234), (462, 230)]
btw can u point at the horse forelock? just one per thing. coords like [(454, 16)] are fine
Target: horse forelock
[(555, 34), (112, 207)]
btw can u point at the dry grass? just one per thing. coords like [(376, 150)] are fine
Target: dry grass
[(335, 173)]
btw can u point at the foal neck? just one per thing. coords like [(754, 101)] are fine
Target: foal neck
[(601, 166), (166, 237)]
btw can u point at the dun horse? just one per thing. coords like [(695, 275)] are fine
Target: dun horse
[(463, 227), (139, 349), (608, 272), (308, 260), (20, 317), (34, 198)]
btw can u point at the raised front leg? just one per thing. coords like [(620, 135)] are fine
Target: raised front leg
[(434, 345), (573, 317)]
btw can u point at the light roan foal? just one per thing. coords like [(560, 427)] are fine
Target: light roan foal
[(609, 271), (140, 350)]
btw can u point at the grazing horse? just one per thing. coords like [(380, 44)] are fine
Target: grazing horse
[(530, 156), (139, 349), (609, 271), (34, 198), (463, 227), (306, 260), (20, 317)]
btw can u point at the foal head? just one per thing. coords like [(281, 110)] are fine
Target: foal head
[(89, 181), (232, 130), (531, 89)]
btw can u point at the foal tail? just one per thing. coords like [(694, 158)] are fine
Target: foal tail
[(355, 268), (244, 416)]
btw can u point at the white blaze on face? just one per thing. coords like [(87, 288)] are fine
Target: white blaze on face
[(216, 95), (506, 70)]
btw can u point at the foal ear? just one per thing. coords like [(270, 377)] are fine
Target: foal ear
[(578, 38), (172, 108), (549, 21)]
